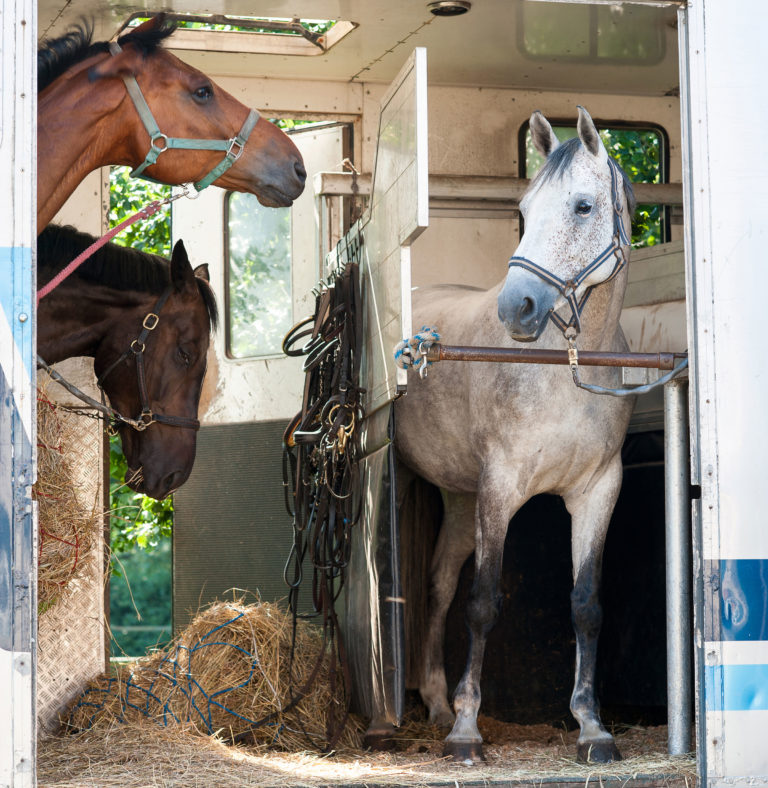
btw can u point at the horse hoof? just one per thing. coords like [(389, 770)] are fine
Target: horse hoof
[(598, 752), (379, 737), (464, 750)]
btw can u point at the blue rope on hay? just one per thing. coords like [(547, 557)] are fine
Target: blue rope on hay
[(181, 680)]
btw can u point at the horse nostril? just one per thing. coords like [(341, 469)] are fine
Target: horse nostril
[(301, 172), (527, 308)]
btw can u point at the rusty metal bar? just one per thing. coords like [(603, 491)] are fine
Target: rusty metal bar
[(587, 358)]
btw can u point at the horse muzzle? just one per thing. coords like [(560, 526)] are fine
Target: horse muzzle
[(524, 304)]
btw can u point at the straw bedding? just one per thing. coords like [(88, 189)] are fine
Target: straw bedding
[(230, 672), (142, 754), (68, 525)]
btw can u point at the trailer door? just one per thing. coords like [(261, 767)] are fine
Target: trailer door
[(398, 213)]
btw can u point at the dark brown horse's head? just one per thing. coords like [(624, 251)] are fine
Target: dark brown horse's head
[(160, 457)]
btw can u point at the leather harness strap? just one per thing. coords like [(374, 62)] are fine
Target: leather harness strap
[(137, 348)]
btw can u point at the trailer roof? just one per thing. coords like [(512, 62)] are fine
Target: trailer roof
[(616, 48)]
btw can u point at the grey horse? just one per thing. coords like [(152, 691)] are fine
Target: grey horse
[(491, 436)]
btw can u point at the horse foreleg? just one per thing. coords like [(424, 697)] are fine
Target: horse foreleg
[(591, 511), (464, 742), (455, 543)]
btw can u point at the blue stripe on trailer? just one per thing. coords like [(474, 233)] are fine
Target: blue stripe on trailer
[(740, 597), (16, 335), (17, 259), (736, 687)]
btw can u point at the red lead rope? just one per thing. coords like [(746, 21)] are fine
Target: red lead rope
[(144, 213)]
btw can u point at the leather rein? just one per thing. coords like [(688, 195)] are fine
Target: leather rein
[(568, 288), (159, 142), (137, 347)]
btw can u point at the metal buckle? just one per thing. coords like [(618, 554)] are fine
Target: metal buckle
[(235, 141), (159, 136), (145, 419), (136, 344), (154, 325)]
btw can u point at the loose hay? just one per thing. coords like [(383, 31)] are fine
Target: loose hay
[(229, 672), (141, 754), (68, 526)]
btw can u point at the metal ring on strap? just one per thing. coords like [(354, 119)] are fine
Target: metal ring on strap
[(233, 147)]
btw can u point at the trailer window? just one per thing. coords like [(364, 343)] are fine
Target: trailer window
[(642, 153), (259, 298)]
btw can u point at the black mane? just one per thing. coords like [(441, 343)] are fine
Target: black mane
[(118, 267), (57, 55), (561, 158)]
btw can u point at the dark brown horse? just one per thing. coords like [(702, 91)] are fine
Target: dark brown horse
[(86, 120), (138, 316)]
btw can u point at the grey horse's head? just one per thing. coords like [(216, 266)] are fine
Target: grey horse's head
[(569, 221)]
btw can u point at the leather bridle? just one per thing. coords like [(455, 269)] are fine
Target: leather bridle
[(568, 288), (159, 142), (136, 349)]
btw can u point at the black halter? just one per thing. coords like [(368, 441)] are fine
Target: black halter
[(569, 287), (137, 347)]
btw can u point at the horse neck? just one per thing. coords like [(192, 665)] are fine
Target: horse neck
[(79, 130), (75, 318), (600, 319)]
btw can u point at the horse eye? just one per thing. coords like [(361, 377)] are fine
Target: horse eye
[(203, 93), (183, 356), (583, 207)]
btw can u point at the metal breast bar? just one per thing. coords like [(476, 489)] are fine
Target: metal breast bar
[(233, 146)]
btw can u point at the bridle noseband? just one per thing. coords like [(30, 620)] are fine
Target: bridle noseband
[(568, 288), (159, 142), (136, 348)]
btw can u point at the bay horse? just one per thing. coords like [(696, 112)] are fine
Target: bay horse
[(87, 119), (146, 323), (491, 436)]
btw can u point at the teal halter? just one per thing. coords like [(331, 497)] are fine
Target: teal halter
[(233, 146)]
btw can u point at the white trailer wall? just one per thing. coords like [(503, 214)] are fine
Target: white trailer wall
[(726, 164)]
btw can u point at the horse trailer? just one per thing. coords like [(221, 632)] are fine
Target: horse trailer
[(413, 121)]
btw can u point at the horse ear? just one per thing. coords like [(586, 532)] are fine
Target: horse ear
[(182, 275), (127, 62), (201, 272), (541, 132), (589, 136), (153, 23)]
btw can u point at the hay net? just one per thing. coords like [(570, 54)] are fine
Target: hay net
[(232, 671), (69, 517)]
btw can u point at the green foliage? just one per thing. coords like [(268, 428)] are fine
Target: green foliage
[(127, 196), (638, 152), (135, 519), (140, 527), (143, 585)]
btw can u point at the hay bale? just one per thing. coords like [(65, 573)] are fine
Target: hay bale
[(230, 672), (68, 527)]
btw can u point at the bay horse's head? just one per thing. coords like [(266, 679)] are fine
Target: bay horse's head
[(577, 211), (163, 341), (91, 81)]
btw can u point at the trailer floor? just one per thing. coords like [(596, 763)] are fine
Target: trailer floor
[(143, 754)]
